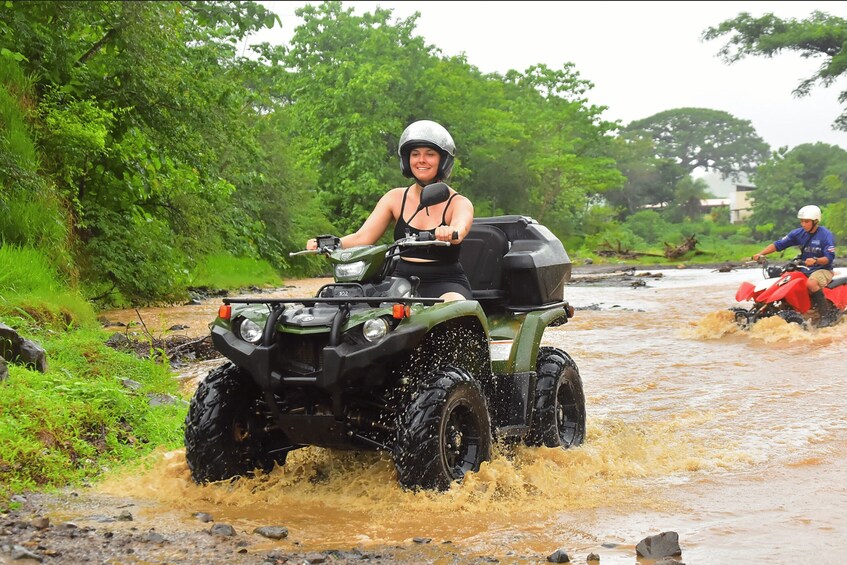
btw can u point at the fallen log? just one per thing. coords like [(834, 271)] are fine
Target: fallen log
[(688, 245)]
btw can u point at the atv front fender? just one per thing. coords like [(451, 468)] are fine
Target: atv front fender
[(791, 288)]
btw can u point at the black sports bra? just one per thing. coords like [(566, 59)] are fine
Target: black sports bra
[(440, 253)]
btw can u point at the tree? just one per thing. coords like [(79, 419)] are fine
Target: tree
[(144, 117), (649, 179), (808, 174), (528, 142), (819, 36), (686, 203), (711, 140)]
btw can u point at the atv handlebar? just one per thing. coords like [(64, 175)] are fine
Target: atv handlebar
[(329, 243), (773, 271)]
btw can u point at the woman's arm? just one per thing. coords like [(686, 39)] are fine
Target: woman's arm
[(461, 218), (376, 224)]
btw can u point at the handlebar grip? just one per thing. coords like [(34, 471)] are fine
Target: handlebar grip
[(455, 234)]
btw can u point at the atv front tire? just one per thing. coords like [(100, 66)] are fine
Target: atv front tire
[(559, 411), (792, 317), (225, 435), (444, 432)]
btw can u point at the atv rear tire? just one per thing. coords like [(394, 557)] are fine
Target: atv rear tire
[(225, 436), (558, 418), (444, 432)]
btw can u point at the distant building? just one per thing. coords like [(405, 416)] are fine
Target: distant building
[(740, 206), (708, 205)]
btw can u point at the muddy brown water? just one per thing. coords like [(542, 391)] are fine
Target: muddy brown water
[(736, 440)]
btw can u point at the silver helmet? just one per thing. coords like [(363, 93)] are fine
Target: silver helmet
[(426, 133)]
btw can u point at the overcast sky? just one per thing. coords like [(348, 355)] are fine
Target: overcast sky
[(642, 57)]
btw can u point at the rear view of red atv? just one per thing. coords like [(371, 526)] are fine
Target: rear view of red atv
[(783, 293)]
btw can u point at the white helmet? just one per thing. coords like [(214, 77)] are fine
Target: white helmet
[(809, 213), (426, 133)]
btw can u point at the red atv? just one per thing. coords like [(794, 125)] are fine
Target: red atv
[(783, 293)]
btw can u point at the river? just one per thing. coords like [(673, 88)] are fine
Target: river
[(736, 440)]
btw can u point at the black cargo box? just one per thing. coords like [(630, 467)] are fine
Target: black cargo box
[(515, 261)]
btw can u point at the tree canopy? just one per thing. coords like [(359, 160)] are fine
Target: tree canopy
[(711, 140), (820, 36)]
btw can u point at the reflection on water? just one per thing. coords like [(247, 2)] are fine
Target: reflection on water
[(735, 439)]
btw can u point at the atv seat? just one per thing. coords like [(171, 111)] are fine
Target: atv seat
[(483, 250), (514, 263)]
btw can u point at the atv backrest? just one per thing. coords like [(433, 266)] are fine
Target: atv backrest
[(483, 253), (513, 261)]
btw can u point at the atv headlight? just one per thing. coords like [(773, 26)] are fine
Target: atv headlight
[(347, 270), (250, 331), (375, 329)]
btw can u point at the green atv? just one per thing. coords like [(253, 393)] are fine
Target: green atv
[(366, 364)]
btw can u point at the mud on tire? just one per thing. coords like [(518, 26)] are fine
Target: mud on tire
[(559, 412), (792, 317), (225, 431), (444, 432)]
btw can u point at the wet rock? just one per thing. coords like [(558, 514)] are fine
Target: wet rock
[(559, 556), (316, 558), (20, 552), (592, 558), (125, 516), (131, 384), (203, 516), (163, 400), (117, 341), (153, 537), (665, 544), (272, 532), (422, 540), (223, 530), (15, 349)]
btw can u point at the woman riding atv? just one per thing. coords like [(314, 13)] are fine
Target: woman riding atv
[(427, 152)]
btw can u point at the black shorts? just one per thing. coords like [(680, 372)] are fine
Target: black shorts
[(436, 278)]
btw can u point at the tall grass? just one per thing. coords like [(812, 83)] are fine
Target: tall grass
[(228, 272), (15, 90), (32, 293)]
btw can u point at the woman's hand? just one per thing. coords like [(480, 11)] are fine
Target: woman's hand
[(447, 233), (312, 244)]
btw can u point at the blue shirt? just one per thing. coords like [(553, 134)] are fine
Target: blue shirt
[(818, 244)]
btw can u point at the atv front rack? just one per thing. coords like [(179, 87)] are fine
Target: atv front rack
[(346, 300)]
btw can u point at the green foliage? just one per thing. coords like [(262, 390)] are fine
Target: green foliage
[(818, 36), (79, 419), (17, 146), (685, 205), (38, 220), (228, 272), (808, 174), (701, 138), (649, 225), (650, 179), (133, 262), (835, 219), (30, 289)]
